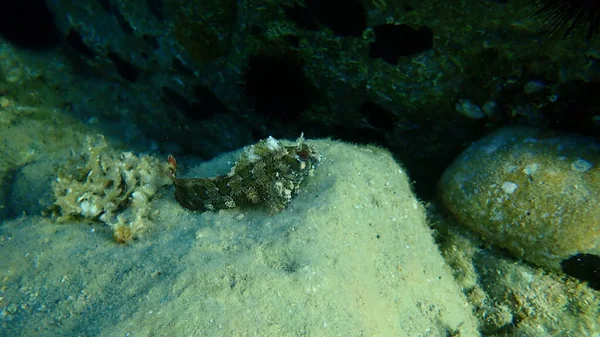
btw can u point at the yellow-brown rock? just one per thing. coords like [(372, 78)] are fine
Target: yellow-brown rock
[(534, 192)]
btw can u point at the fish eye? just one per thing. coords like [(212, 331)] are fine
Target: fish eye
[(303, 154)]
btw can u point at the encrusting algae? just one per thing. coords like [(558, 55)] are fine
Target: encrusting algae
[(113, 188), (265, 173)]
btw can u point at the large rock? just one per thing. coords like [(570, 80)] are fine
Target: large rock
[(533, 192), (352, 255)]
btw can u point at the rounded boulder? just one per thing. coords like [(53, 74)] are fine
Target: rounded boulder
[(533, 192)]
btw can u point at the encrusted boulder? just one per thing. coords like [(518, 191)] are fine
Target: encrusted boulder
[(533, 192), (352, 254)]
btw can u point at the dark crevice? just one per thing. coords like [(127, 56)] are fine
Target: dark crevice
[(377, 116), (28, 24), (277, 87), (75, 41), (585, 267), (577, 108), (394, 41), (125, 69)]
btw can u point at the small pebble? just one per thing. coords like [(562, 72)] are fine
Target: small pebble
[(468, 108)]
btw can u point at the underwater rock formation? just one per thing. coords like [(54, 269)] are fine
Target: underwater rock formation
[(531, 191), (351, 255)]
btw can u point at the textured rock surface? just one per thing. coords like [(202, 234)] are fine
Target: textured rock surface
[(530, 191), (513, 298), (352, 255)]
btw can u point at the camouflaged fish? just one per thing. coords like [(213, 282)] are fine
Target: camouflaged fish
[(265, 173)]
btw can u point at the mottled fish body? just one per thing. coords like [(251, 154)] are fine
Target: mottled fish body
[(265, 173)]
